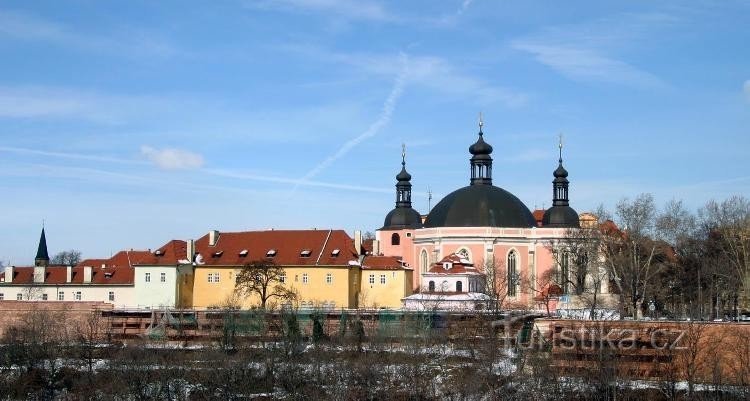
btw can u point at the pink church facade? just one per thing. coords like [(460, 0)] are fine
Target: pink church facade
[(485, 224)]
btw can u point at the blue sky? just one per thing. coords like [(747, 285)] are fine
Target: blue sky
[(125, 124)]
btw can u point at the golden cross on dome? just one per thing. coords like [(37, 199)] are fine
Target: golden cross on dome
[(481, 122), (560, 145), (403, 153)]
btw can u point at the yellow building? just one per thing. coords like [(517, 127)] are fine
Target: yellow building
[(323, 268), (384, 282)]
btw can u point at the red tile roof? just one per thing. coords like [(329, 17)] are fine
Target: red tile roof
[(118, 270), (288, 244), (383, 263), (459, 266), (120, 259), (538, 216), (169, 254)]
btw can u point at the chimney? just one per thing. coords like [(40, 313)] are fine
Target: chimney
[(376, 247), (69, 274), (358, 241), (87, 273), (190, 250), (213, 237), (39, 274), (8, 274)]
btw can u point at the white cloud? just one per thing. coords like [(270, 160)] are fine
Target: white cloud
[(586, 51), (586, 64), (172, 159), (129, 41), (28, 27), (350, 9), (56, 102), (432, 72), (37, 102)]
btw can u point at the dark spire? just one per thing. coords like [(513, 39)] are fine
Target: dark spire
[(403, 216), (481, 161), (403, 186), (42, 257), (560, 214), (560, 183)]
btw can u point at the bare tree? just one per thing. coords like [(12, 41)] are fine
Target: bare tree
[(579, 263), (730, 222), (68, 258), (265, 280), (497, 281), (545, 288), (633, 256), (31, 292)]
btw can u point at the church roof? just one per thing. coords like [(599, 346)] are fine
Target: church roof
[(402, 217), (480, 206)]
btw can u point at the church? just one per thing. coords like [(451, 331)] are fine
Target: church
[(480, 229)]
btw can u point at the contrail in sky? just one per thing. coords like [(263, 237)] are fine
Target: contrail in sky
[(385, 117), (215, 172)]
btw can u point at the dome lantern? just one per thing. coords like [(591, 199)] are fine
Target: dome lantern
[(481, 161)]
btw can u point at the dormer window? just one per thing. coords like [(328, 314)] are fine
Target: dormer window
[(335, 252), (305, 253), (447, 265), (271, 253), (218, 254), (243, 253), (108, 274), (159, 252)]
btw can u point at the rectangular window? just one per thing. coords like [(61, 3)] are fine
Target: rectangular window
[(329, 278), (163, 278), (111, 296), (2, 296), (44, 297), (305, 278), (77, 296), (213, 277), (282, 278), (148, 277), (382, 279), (60, 296), (372, 279), (19, 297)]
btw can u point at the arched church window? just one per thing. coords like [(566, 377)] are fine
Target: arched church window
[(464, 253), (459, 286), (431, 286), (395, 239), (512, 274), (423, 260)]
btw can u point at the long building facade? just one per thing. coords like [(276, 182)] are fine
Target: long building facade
[(481, 226)]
